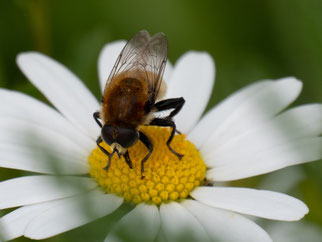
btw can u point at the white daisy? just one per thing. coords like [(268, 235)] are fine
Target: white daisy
[(247, 134)]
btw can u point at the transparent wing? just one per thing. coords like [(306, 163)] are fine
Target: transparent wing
[(145, 55)]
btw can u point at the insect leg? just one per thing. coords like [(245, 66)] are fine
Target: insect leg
[(145, 140), (127, 159), (167, 123), (171, 103), (98, 141), (96, 116)]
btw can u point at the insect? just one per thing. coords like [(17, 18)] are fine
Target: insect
[(132, 95)]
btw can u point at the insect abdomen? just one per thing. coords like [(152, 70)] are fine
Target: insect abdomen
[(125, 103)]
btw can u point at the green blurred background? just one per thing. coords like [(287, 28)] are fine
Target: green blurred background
[(250, 40)]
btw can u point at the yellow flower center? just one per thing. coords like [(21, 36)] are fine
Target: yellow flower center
[(166, 177)]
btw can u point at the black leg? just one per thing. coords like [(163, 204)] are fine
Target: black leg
[(145, 140), (98, 141), (167, 123), (96, 116), (127, 159), (171, 103)]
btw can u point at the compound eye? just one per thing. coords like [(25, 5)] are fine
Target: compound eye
[(127, 137), (107, 134)]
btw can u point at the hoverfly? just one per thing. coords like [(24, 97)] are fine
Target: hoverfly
[(130, 94)]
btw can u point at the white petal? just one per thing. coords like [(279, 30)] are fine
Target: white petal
[(179, 224), (254, 111), (26, 133), (303, 121), (21, 106), (260, 203), (63, 89), (273, 158), (141, 224), (226, 226), (107, 58), (13, 224), (193, 79), (27, 146), (35, 189), (44, 163), (245, 112), (217, 116), (70, 213)]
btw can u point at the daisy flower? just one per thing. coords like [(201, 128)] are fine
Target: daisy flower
[(247, 134)]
